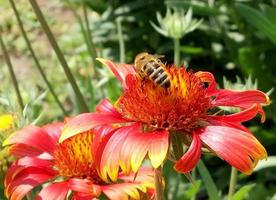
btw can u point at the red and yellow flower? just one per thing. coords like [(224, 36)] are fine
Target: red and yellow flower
[(68, 168), (146, 116)]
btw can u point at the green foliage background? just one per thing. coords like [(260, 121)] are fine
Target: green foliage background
[(236, 38)]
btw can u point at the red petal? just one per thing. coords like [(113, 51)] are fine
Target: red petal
[(119, 70), (105, 106), (87, 121), (122, 191), (110, 152), (207, 77), (235, 120), (138, 144), (240, 149), (145, 176), (85, 186), (132, 145), (23, 163), (239, 117), (54, 191), (32, 136), (189, 160), (242, 99), (102, 135), (54, 130), (21, 150), (80, 196), (26, 180)]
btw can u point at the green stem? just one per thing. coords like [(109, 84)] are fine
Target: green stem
[(208, 181), (90, 51), (177, 146), (35, 58), (29, 196), (93, 53), (194, 178), (121, 40), (89, 35), (158, 184), (81, 102), (12, 74), (176, 51), (83, 31), (233, 182)]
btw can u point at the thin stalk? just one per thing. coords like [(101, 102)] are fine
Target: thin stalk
[(89, 35), (233, 182), (211, 188), (83, 31), (194, 178), (121, 40), (90, 51), (81, 102), (35, 58), (177, 146), (29, 196), (176, 51), (158, 184), (12, 74), (176, 189)]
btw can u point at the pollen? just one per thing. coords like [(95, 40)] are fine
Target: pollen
[(73, 158), (182, 106)]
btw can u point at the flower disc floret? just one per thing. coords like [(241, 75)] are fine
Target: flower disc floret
[(182, 106)]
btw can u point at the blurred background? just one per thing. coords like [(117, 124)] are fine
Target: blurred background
[(233, 39)]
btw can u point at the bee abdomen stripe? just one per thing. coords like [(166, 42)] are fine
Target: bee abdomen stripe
[(155, 74), (149, 71), (161, 78), (166, 83)]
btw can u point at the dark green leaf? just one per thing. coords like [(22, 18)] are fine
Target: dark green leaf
[(208, 181), (243, 192), (258, 20)]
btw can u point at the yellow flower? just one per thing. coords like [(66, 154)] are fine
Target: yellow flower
[(6, 121)]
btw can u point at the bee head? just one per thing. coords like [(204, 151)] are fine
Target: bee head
[(140, 57)]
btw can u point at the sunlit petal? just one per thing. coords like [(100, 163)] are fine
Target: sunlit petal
[(239, 148), (87, 121), (84, 186), (119, 70), (242, 99), (26, 180), (54, 130), (122, 191), (235, 120), (32, 136), (105, 106), (54, 191), (21, 150), (144, 176)]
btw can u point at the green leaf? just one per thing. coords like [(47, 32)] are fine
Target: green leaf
[(243, 192), (209, 183), (269, 162), (270, 13), (249, 60), (192, 50), (258, 20), (193, 189), (198, 7)]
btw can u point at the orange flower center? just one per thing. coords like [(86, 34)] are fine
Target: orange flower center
[(73, 158), (182, 106)]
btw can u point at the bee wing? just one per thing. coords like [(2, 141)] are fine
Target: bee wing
[(158, 56)]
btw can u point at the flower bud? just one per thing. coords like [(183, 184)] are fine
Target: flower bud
[(176, 23)]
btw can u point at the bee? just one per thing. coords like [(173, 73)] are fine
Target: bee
[(151, 67)]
